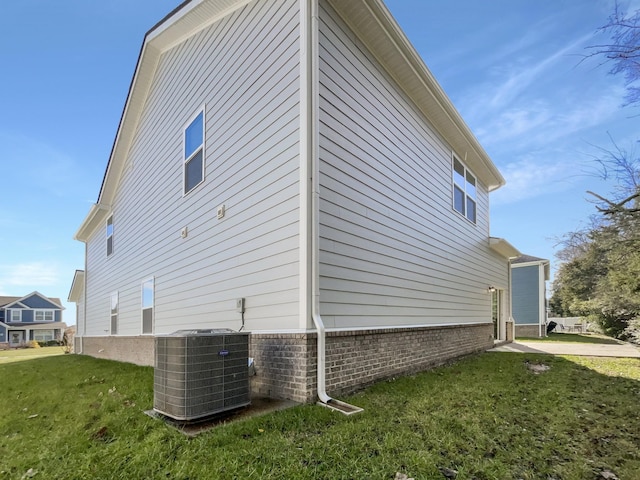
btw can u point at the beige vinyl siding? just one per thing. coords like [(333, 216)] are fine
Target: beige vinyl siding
[(243, 70), (393, 251)]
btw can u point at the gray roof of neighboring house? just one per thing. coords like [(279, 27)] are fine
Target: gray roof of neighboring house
[(528, 259)]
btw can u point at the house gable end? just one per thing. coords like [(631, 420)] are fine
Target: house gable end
[(37, 300), (184, 22)]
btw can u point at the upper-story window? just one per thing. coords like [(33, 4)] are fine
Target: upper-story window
[(110, 235), (464, 191), (43, 315), (194, 153), (15, 315)]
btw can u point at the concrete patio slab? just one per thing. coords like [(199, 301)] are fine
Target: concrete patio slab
[(623, 350)]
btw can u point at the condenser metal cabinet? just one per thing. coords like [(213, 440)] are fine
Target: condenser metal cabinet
[(199, 373)]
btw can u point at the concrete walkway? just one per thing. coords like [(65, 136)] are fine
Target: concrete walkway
[(623, 350)]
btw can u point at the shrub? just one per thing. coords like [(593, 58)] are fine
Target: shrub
[(33, 344)]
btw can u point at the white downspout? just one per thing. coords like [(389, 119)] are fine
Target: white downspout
[(309, 193)]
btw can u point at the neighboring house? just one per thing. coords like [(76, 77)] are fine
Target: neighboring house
[(528, 282), (32, 317), (298, 155)]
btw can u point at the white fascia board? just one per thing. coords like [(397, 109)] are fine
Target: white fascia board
[(77, 287), (35, 292), (96, 217), (16, 303), (529, 264), (181, 24)]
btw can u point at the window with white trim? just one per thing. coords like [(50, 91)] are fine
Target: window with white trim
[(43, 315), (194, 153), (109, 235), (147, 306), (464, 191), (114, 313), (15, 315), (43, 335)]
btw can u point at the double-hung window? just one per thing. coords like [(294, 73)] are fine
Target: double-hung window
[(109, 235), (194, 153), (43, 315), (147, 306), (114, 313), (464, 191), (15, 316)]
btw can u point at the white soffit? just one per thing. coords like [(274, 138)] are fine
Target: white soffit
[(374, 25), (504, 248)]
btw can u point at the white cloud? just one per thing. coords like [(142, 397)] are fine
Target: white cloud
[(27, 276), (540, 122), (531, 177), (520, 79)]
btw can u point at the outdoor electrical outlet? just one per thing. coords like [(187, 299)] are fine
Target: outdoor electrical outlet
[(240, 305)]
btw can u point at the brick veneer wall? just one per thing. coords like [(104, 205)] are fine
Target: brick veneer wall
[(285, 364), (360, 358), (139, 350), (527, 330), (509, 331)]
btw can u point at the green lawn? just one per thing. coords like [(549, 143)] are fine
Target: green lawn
[(487, 417), (18, 355), (571, 338)]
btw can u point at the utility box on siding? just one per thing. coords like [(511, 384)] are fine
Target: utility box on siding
[(199, 373)]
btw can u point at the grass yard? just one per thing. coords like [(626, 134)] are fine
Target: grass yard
[(571, 338), (487, 417), (18, 355)]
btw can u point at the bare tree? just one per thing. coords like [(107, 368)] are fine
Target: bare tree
[(623, 50)]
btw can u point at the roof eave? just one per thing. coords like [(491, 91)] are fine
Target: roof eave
[(77, 287), (375, 26), (97, 216), (187, 19), (504, 248)]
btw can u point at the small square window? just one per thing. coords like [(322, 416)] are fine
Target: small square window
[(194, 153)]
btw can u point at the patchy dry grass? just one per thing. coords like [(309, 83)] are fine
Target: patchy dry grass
[(20, 354), (486, 417)]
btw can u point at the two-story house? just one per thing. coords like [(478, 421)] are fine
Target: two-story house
[(32, 317), (293, 169)]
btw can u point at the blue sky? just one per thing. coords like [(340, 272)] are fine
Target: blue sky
[(512, 68)]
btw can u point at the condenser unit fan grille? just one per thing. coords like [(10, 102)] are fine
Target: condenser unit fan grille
[(199, 373)]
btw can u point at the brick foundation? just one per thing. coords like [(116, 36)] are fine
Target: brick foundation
[(527, 331), (509, 331), (285, 364), (138, 350)]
